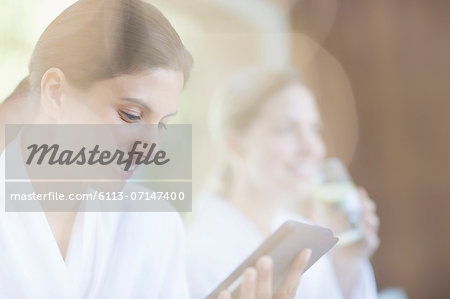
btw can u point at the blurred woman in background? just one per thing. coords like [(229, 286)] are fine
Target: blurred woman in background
[(267, 128)]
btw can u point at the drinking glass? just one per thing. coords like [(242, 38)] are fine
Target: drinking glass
[(337, 201)]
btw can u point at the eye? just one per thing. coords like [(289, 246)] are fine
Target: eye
[(129, 117)]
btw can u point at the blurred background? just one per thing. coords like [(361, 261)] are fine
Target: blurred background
[(380, 71)]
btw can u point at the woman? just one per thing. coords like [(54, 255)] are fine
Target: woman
[(269, 127), (102, 62), (88, 53)]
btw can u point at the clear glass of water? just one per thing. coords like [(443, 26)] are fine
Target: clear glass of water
[(337, 201)]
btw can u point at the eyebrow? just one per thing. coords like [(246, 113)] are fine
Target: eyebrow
[(145, 106)]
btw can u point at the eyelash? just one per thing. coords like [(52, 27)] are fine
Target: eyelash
[(129, 117)]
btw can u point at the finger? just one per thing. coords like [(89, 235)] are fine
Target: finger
[(248, 286), (264, 282), (371, 222), (224, 295), (289, 286), (373, 242), (368, 204), (362, 191)]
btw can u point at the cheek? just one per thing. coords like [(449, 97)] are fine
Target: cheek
[(269, 156), (74, 111), (320, 149), (281, 149)]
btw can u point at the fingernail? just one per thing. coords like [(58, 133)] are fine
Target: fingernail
[(306, 254), (250, 275), (265, 263)]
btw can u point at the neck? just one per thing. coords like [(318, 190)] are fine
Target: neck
[(256, 203)]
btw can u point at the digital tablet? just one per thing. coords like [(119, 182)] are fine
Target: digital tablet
[(282, 246)]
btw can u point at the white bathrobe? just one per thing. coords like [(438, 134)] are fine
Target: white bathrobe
[(221, 237), (110, 255)]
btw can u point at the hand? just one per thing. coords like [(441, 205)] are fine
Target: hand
[(370, 223), (348, 259), (257, 282), (338, 222), (370, 241)]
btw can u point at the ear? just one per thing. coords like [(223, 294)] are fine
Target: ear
[(53, 83)]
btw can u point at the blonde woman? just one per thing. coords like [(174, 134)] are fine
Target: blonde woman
[(267, 128)]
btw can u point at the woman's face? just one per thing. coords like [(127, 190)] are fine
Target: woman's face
[(146, 98), (283, 145)]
